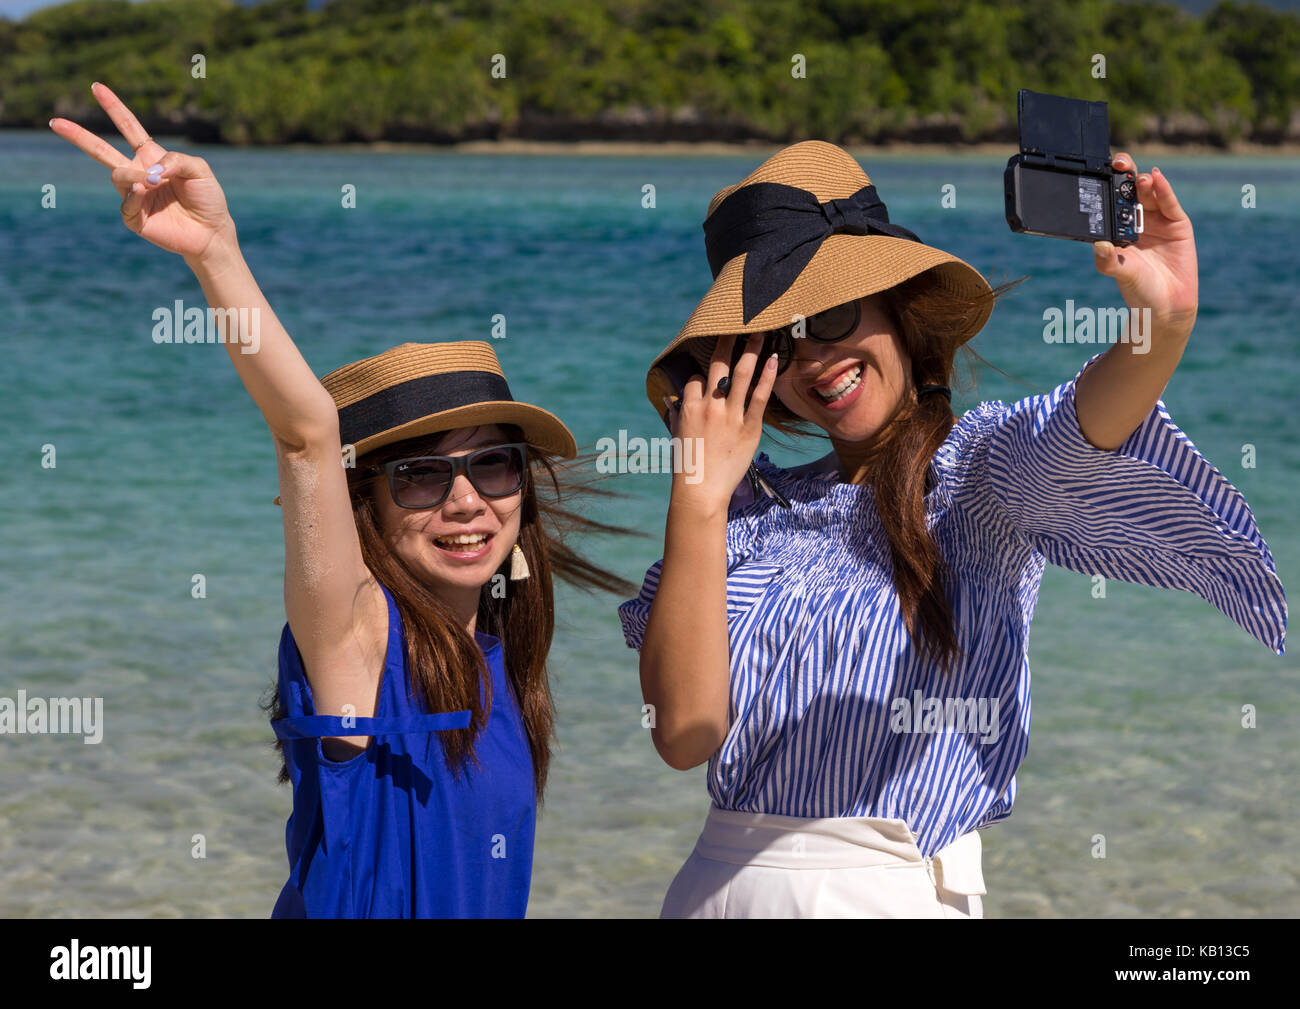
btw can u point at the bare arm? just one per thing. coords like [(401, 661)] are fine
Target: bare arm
[(1158, 274), (335, 608), (685, 651)]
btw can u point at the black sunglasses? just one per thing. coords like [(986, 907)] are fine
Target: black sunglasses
[(830, 326), (425, 481)]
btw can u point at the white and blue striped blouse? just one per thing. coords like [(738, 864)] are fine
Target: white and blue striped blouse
[(821, 662)]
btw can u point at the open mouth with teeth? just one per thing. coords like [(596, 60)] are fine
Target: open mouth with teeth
[(848, 380), (464, 544)]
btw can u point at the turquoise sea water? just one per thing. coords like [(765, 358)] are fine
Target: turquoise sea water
[(164, 470)]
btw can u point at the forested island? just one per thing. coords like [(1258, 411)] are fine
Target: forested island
[(849, 71)]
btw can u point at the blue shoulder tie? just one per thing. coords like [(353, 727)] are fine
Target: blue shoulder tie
[(309, 726)]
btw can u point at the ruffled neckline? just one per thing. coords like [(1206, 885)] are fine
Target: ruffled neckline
[(830, 479), (818, 476), (941, 465)]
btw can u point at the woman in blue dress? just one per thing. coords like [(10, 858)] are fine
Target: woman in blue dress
[(412, 705), (857, 627)]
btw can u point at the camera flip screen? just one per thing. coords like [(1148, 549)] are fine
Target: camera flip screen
[(1068, 128)]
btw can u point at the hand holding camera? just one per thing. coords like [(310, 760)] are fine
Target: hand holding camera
[(1064, 184)]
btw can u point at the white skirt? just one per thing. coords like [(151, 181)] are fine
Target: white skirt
[(758, 865)]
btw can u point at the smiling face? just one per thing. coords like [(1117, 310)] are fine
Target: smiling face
[(849, 388), (455, 571)]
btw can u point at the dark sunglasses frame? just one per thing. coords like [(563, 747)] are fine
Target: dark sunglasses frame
[(781, 341), (459, 464)]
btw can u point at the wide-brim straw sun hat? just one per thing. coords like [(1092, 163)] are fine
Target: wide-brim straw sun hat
[(418, 389), (804, 232)]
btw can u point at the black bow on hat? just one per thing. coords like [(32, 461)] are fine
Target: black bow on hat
[(781, 228)]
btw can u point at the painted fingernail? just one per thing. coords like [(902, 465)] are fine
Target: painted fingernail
[(771, 362)]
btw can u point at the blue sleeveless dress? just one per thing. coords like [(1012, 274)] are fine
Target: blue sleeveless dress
[(391, 833)]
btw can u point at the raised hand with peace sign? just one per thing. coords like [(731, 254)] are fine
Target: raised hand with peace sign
[(171, 199)]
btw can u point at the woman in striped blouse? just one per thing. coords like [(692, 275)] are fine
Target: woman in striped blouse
[(839, 617)]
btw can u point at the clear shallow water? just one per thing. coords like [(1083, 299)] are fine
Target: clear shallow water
[(165, 470)]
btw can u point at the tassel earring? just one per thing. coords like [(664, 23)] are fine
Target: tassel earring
[(518, 564)]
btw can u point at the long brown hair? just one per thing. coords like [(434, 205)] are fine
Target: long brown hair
[(444, 663), (899, 454)]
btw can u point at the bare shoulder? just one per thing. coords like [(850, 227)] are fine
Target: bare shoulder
[(345, 669)]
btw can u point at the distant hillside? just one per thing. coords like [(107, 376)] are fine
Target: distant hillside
[(874, 70)]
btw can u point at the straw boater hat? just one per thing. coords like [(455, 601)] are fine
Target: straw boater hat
[(422, 388), (804, 232)]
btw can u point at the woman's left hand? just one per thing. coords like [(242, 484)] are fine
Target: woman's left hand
[(1159, 272)]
